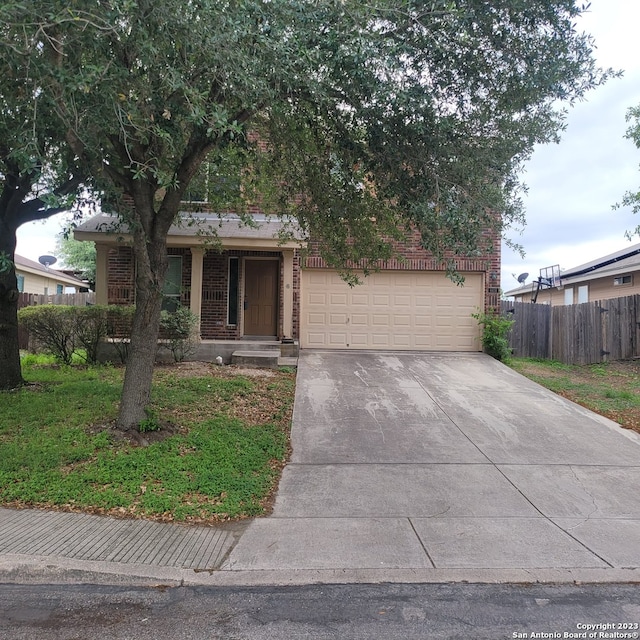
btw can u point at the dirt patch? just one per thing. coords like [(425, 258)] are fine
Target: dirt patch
[(203, 369), (136, 438), (260, 406)]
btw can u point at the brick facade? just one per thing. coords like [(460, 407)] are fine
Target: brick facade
[(215, 285)]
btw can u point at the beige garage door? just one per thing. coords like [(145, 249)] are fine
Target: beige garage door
[(411, 310)]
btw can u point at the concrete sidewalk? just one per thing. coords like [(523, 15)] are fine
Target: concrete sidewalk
[(406, 467)]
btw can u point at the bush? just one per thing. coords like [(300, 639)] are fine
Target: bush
[(178, 328), (120, 321), (53, 326), (91, 328), (495, 332), (62, 330)]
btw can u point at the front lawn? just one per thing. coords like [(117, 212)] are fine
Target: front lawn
[(611, 389), (223, 440)]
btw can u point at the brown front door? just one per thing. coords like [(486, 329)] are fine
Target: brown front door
[(261, 297)]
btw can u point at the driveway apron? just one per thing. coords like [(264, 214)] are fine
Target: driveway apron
[(429, 461)]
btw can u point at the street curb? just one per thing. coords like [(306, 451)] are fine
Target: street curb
[(19, 569)]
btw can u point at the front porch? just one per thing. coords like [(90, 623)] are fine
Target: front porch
[(242, 285)]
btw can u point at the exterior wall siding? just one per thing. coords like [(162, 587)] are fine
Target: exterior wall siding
[(599, 289)]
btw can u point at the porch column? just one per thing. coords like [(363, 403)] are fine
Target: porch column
[(197, 260), (287, 284), (102, 275)]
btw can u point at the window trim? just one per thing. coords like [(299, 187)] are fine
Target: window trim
[(582, 289), (171, 299), (625, 280)]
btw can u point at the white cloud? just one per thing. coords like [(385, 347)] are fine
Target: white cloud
[(574, 185)]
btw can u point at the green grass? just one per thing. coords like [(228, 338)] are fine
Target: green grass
[(229, 443), (611, 389)]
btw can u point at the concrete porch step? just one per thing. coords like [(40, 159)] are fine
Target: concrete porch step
[(257, 358)]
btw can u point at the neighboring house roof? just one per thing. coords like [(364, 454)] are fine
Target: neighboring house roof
[(613, 264), (520, 291), (223, 226), (31, 266)]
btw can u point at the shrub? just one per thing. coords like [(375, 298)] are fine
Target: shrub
[(119, 323), (91, 328), (61, 330), (53, 326), (178, 329), (495, 332)]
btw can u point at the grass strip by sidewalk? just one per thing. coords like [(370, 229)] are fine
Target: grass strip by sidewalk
[(218, 455), (611, 389)]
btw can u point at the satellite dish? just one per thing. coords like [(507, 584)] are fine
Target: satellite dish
[(522, 277), (47, 261)]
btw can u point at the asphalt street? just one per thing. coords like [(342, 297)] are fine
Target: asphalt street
[(319, 612)]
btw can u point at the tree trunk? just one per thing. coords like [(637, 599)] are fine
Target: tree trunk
[(10, 371), (151, 266)]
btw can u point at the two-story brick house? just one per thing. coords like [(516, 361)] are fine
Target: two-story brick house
[(251, 285)]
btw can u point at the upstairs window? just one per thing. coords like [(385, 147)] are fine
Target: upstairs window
[(217, 183), (620, 280)]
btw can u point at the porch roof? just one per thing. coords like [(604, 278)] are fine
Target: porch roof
[(203, 228)]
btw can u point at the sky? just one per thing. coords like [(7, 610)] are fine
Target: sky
[(572, 186)]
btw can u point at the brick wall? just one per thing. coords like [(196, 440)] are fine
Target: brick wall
[(121, 287), (215, 277)]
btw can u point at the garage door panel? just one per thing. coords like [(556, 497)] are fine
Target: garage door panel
[(337, 299), (317, 298), (390, 310), (360, 340)]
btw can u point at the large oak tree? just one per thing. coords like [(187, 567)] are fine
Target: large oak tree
[(360, 119), (39, 176)]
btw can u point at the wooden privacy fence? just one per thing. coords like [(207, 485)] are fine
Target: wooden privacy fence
[(32, 299), (576, 333), (71, 299)]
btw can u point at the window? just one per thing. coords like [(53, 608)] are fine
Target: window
[(232, 315), (583, 293), (620, 280), (20, 283), (59, 289), (173, 284), (568, 295), (218, 180)]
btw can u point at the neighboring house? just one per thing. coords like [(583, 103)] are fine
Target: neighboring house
[(34, 277), (612, 276), (256, 286)]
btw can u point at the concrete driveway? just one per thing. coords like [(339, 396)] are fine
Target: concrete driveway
[(446, 466)]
